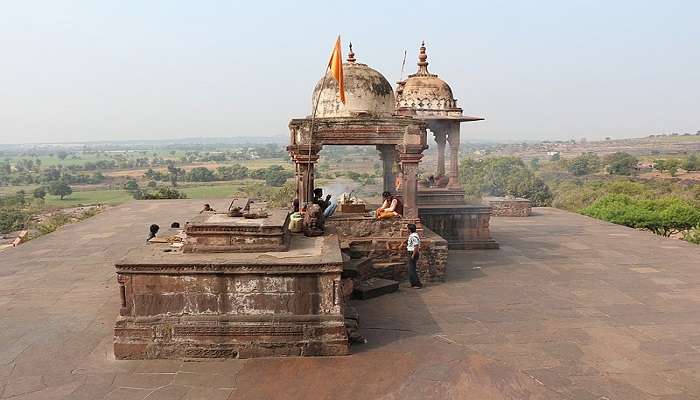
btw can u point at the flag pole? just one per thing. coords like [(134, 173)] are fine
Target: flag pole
[(311, 136)]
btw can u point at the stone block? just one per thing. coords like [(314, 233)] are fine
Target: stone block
[(375, 287)]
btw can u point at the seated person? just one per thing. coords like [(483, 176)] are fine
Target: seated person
[(327, 207), (398, 181), (152, 231), (207, 208), (442, 181), (391, 207)]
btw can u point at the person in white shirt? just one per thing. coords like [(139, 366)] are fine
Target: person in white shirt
[(413, 248)]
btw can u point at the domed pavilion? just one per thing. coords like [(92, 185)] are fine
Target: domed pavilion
[(368, 117), (431, 99), (443, 209)]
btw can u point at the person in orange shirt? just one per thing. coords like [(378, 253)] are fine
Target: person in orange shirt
[(391, 207)]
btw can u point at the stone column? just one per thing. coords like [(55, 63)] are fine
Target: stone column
[(440, 139), (409, 165), (305, 162), (453, 140), (387, 153)]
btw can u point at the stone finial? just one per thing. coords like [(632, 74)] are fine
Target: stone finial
[(422, 61), (351, 55)]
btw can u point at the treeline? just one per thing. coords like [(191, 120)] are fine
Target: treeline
[(274, 175), (30, 173), (620, 163)]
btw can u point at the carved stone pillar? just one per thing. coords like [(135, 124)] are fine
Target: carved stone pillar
[(409, 165), (387, 153), (305, 160), (453, 140), (440, 139)]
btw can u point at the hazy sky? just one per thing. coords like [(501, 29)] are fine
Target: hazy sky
[(95, 70)]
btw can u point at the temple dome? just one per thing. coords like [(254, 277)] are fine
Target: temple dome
[(367, 93), (424, 91)]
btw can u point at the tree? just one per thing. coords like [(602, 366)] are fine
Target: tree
[(692, 163), (500, 176), (277, 176), (131, 185), (620, 163), (584, 164), (535, 164), (200, 174), (61, 154), (232, 172), (40, 192), (60, 188)]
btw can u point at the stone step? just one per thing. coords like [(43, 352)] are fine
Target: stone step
[(375, 287), (351, 268)]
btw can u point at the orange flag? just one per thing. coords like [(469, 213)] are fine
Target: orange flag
[(336, 66)]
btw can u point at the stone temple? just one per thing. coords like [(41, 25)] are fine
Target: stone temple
[(239, 284)]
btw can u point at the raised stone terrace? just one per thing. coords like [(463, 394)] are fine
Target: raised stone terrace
[(568, 308)]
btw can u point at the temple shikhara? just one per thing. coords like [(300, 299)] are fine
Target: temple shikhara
[(254, 280)]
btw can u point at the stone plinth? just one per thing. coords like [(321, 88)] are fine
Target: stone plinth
[(509, 206), (217, 232), (192, 305), (439, 196), (462, 226)]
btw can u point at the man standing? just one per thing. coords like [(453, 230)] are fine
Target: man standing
[(413, 247)]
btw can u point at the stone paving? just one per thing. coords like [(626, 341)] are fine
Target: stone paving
[(568, 308)]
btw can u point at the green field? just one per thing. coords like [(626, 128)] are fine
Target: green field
[(112, 197)]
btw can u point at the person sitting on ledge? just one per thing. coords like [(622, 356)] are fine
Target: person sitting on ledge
[(152, 231), (327, 207), (442, 181), (207, 208), (391, 207)]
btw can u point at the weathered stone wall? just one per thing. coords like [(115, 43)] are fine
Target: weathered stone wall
[(463, 226), (510, 207), (190, 305), (383, 241), (203, 315)]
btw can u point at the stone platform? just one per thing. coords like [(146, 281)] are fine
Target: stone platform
[(509, 206), (231, 305), (217, 232), (569, 308), (464, 226)]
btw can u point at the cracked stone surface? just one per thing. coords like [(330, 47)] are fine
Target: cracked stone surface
[(568, 308)]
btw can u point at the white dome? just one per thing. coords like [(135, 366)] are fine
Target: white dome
[(367, 93)]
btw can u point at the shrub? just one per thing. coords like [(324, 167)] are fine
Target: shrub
[(40, 192), (12, 219), (664, 216), (162, 193), (693, 235)]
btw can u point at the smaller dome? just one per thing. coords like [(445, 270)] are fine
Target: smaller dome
[(424, 91), (367, 93)]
